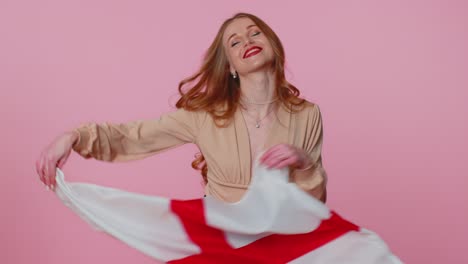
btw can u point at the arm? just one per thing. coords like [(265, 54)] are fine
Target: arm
[(313, 178), (137, 139)]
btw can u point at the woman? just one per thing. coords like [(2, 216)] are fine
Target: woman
[(239, 105)]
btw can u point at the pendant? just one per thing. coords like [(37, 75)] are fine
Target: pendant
[(257, 125)]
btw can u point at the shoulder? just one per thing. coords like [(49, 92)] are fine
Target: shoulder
[(309, 118), (307, 109), (311, 106)]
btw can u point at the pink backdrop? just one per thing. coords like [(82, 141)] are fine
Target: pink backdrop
[(390, 77)]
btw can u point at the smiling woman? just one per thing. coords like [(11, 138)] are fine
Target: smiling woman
[(246, 119), (238, 105), (242, 83)]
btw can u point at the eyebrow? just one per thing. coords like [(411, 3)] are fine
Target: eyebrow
[(235, 33)]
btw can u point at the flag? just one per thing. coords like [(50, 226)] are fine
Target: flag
[(275, 222)]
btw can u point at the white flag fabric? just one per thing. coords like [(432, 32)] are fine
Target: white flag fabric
[(275, 222)]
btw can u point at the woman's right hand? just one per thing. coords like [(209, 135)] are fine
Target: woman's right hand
[(53, 156)]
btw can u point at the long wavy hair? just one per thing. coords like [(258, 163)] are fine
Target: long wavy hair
[(214, 90)]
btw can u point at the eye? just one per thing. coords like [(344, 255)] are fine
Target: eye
[(234, 43), (256, 33)]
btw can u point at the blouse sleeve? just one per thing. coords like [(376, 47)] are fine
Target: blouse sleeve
[(137, 139), (313, 180)]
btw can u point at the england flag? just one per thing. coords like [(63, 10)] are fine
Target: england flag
[(275, 222)]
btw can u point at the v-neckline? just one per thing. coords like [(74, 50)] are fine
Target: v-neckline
[(245, 145)]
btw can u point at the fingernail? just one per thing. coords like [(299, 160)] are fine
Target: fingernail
[(47, 187)]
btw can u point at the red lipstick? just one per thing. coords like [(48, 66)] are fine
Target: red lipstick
[(252, 51)]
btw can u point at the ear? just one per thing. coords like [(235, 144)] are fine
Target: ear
[(232, 70)]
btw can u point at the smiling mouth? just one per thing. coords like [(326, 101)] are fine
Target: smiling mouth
[(252, 51)]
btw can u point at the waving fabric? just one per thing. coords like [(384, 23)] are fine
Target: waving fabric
[(275, 222)]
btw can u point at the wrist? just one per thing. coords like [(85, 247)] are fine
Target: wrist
[(305, 166), (74, 137)]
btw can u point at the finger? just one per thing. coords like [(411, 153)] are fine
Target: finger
[(52, 172), (265, 155), (42, 170), (279, 163), (60, 163), (49, 167), (273, 159), (271, 152), (284, 163), (44, 179), (38, 168), (273, 162), (277, 156), (46, 172), (292, 157)]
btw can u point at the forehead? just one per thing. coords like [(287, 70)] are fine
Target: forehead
[(237, 26)]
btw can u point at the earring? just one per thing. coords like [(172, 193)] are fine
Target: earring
[(234, 75)]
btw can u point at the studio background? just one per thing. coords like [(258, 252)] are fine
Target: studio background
[(390, 77)]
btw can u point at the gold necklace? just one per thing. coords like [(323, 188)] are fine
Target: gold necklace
[(257, 121)]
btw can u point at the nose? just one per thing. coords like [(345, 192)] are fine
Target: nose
[(248, 41)]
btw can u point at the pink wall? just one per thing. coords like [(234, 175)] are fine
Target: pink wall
[(391, 78)]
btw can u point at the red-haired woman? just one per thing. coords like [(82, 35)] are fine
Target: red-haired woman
[(235, 107)]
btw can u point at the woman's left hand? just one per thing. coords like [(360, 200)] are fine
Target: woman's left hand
[(282, 155)]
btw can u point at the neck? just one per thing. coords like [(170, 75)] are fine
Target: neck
[(258, 91)]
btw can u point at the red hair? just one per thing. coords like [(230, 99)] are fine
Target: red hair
[(214, 90)]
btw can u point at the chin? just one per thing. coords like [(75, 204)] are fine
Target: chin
[(262, 65)]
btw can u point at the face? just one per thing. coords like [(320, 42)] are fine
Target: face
[(247, 48)]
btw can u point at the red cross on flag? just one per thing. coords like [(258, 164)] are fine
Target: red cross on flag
[(275, 222)]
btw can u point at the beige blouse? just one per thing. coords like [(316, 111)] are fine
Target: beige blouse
[(226, 149)]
